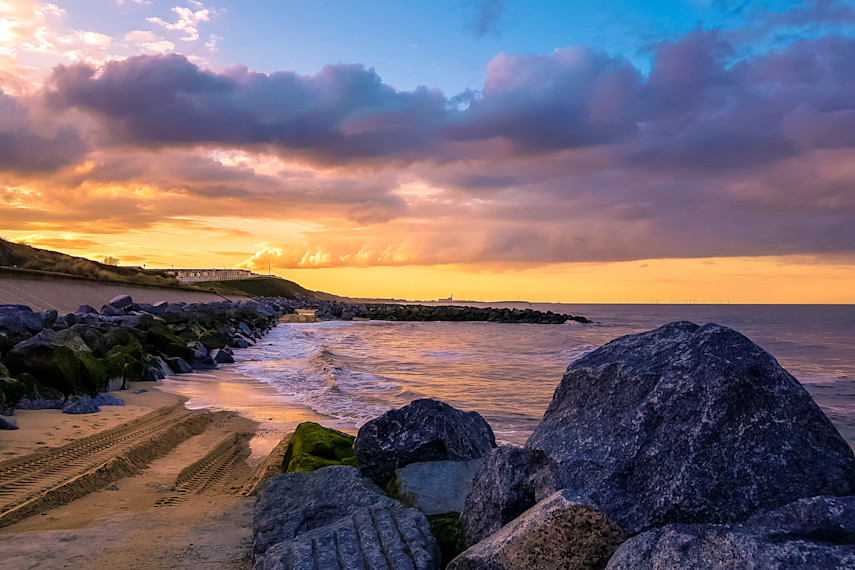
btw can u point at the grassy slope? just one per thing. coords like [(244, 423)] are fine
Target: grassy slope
[(27, 257), (261, 287)]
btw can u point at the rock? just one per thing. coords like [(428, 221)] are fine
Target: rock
[(8, 423), (371, 538), (223, 357), (107, 400), (111, 311), (178, 365), (213, 339), (434, 487), (424, 430), (313, 446), (810, 533), (562, 531), (503, 488), (689, 424), (40, 404), (156, 369), (204, 362), (86, 309), (294, 503), (82, 405), (121, 301), (51, 363), (140, 391)]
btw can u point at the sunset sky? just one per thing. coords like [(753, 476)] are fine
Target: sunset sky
[(612, 151)]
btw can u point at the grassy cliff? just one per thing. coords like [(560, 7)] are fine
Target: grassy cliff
[(21, 256), (261, 287)]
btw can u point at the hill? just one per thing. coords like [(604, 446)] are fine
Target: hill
[(262, 287), (25, 257)]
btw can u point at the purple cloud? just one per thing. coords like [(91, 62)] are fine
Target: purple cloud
[(22, 148)]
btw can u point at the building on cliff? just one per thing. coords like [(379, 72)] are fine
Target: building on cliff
[(199, 275)]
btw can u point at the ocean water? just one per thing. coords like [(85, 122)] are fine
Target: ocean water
[(351, 372)]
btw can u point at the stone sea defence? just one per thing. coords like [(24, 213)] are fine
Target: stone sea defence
[(328, 310), (683, 447), (50, 360)]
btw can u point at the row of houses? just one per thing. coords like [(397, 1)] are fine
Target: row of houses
[(198, 275)]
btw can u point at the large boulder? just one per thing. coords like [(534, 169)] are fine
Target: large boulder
[(688, 424), (304, 516), (51, 363), (503, 488), (562, 531), (424, 430), (434, 487), (808, 534), (313, 446), (121, 301), (371, 538)]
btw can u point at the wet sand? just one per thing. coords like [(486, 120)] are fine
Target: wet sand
[(228, 390), (127, 524)]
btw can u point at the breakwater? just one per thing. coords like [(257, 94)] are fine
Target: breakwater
[(53, 361)]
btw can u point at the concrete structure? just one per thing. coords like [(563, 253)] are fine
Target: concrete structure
[(199, 275)]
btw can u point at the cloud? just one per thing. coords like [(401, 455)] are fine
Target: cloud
[(188, 20), (23, 148), (813, 11), (487, 15), (570, 156)]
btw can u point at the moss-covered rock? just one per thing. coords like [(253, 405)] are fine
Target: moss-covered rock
[(160, 339), (314, 446), (214, 339), (125, 362), (11, 392), (53, 365), (94, 372), (448, 531)]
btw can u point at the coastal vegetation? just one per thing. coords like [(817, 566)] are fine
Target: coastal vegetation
[(22, 256)]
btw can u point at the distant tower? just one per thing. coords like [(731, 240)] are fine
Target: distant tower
[(451, 297)]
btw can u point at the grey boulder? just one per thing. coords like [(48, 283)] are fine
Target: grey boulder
[(686, 424), (370, 538), (82, 405), (504, 487), (562, 531), (121, 301), (335, 518), (434, 487), (424, 430), (808, 534)]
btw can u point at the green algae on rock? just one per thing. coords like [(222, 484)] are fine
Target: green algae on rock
[(313, 446)]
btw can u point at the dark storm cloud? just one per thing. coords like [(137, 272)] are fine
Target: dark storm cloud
[(24, 149)]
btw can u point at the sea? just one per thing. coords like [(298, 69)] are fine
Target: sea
[(349, 372)]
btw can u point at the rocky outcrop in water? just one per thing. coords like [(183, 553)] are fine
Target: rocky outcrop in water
[(687, 424), (424, 430), (328, 310)]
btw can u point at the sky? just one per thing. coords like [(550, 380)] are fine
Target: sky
[(614, 151)]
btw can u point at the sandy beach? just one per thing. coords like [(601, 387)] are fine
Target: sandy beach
[(183, 509)]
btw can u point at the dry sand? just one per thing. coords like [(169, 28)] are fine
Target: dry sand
[(150, 520), (41, 429)]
